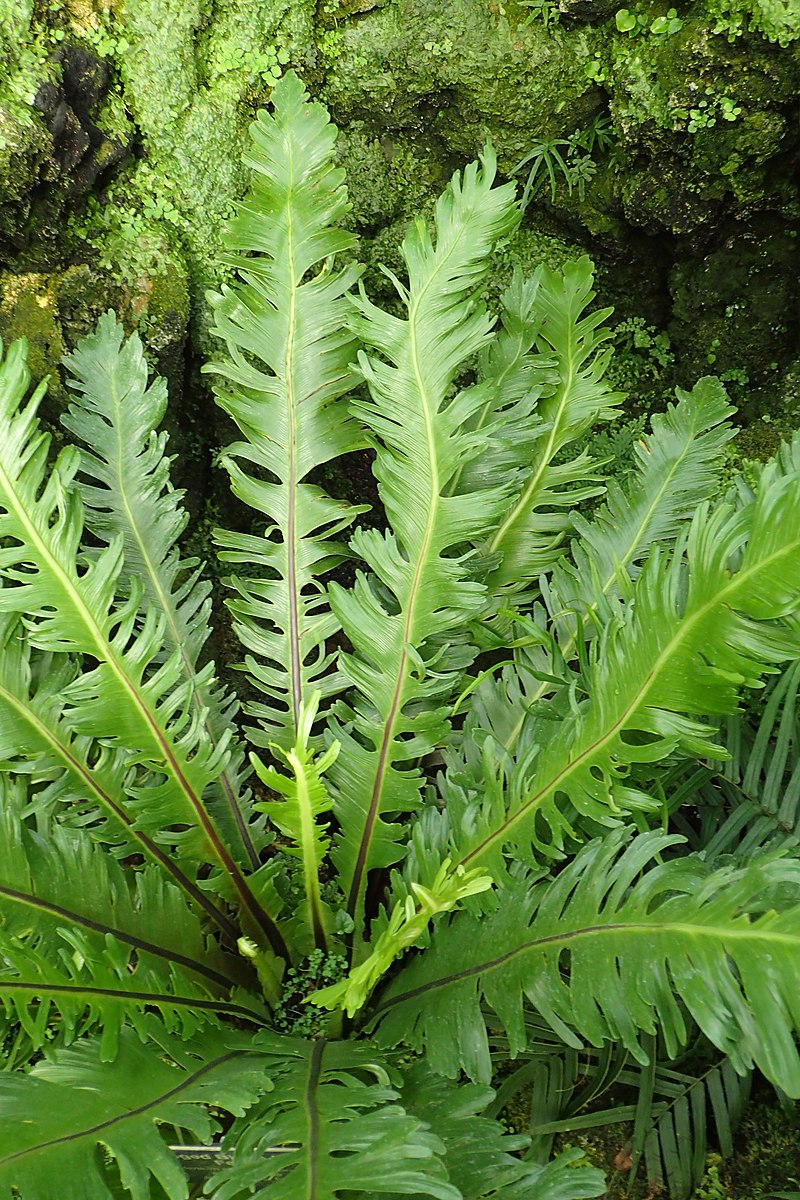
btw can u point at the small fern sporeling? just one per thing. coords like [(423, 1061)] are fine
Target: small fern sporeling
[(448, 826)]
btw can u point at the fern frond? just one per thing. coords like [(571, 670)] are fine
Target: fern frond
[(671, 1120), (679, 467), (289, 362), (70, 602), (406, 620), (125, 485), (87, 988), (53, 1120), (751, 802), (304, 800), (670, 1109), (700, 624), (335, 1111), (56, 877), (530, 535), (70, 769), (604, 954), (78, 939)]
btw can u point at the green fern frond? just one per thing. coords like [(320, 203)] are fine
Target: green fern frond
[(289, 362), (480, 1157), (604, 954), (43, 880), (75, 778), (700, 624), (671, 1109), (304, 800), (529, 537), (751, 801), (335, 1111), (679, 467), (126, 489), (72, 604), (53, 1120), (405, 621), (671, 1118)]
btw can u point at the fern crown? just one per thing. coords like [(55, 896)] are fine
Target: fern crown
[(447, 827)]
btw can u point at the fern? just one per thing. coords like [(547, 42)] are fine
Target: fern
[(452, 855), (668, 1108)]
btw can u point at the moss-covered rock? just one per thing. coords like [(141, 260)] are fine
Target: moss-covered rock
[(29, 309), (54, 310), (52, 150), (459, 72), (737, 310)]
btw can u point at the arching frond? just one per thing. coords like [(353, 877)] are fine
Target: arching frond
[(698, 625), (54, 1120), (336, 1111), (751, 801), (573, 399), (482, 1159), (608, 949), (72, 603)]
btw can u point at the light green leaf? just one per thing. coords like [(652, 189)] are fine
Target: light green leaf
[(125, 485), (289, 362), (72, 604), (406, 621), (573, 398), (700, 624)]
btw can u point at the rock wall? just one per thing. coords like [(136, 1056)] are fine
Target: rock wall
[(663, 141)]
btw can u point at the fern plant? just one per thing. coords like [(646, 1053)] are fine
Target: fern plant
[(287, 944)]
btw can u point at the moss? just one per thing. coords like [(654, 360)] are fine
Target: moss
[(735, 311), (388, 177), (459, 71), (191, 77), (24, 146), (767, 1156), (776, 20), (28, 308)]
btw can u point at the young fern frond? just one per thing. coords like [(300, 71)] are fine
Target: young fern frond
[(406, 620), (289, 363), (296, 815), (125, 487)]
